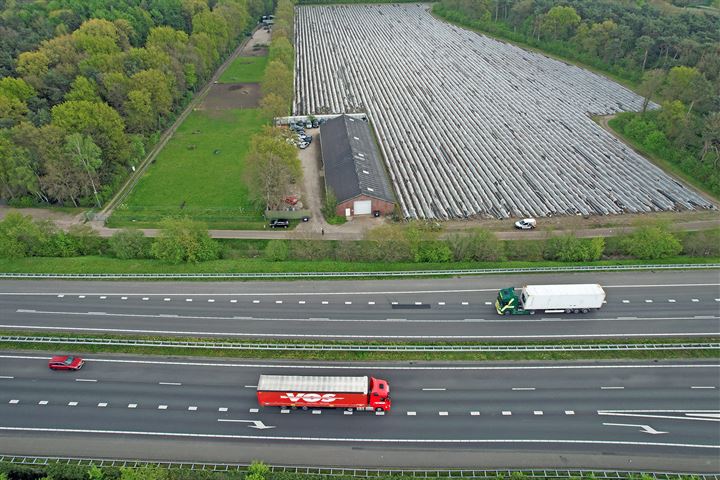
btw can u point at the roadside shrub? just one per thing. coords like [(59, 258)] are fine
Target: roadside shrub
[(20, 236), (276, 251), (311, 250), (434, 251), (358, 251), (86, 240), (651, 242), (479, 245), (258, 468), (392, 243), (702, 244), (568, 248), (528, 250), (59, 471), (184, 240), (129, 244), (143, 473)]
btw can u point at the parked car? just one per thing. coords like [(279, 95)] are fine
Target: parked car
[(526, 224), (308, 124), (279, 223), (303, 145), (65, 362), (315, 124)]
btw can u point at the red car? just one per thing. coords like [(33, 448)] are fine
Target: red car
[(66, 362)]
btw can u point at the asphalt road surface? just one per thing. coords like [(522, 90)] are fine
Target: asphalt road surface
[(658, 415), (639, 305)]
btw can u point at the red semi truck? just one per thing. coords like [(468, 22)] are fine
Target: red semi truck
[(358, 393)]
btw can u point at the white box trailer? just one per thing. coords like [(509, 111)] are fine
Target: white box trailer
[(578, 298)]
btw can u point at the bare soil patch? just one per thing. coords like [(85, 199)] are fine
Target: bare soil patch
[(230, 96), (257, 46)]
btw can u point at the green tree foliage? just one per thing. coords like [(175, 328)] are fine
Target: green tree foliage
[(273, 164), (651, 242), (184, 240), (476, 245), (144, 473), (129, 244), (83, 88), (276, 251), (20, 236), (705, 243), (560, 22), (282, 51), (16, 172), (85, 155), (274, 106), (568, 248), (85, 240), (278, 80)]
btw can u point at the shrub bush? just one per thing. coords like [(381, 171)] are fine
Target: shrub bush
[(527, 250), (651, 242), (478, 245), (311, 250), (20, 236), (184, 240), (568, 248), (129, 244), (434, 251), (86, 241), (702, 244), (276, 251)]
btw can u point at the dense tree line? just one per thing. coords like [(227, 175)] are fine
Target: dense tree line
[(86, 85), (672, 55)]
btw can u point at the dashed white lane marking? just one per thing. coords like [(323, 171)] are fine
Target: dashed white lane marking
[(256, 301), (475, 414), (250, 386), (371, 303), (316, 412), (211, 300), (347, 412), (569, 412), (348, 303), (72, 404), (434, 389), (301, 302), (222, 409), (507, 413), (123, 298), (324, 302), (43, 402), (13, 402), (443, 414), (162, 407), (132, 405), (418, 303), (379, 414), (81, 296), (253, 410), (166, 299), (278, 301), (411, 414), (538, 412), (234, 300), (521, 389), (464, 303), (612, 388), (648, 301), (145, 299), (717, 299), (61, 296), (102, 404), (393, 303), (695, 300), (701, 387), (626, 301), (6, 377), (441, 303), (170, 383), (85, 380), (192, 408), (488, 303), (188, 299), (671, 300), (103, 297), (284, 410)]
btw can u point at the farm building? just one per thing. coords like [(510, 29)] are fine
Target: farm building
[(354, 169)]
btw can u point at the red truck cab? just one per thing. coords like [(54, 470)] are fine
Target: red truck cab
[(379, 394)]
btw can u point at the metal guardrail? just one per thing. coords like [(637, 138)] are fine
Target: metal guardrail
[(385, 273), (547, 473), (360, 348)]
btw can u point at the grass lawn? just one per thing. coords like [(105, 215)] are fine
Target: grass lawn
[(198, 174), (245, 70), (96, 264)]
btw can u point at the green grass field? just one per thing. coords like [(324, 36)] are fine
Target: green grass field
[(199, 173), (245, 70)]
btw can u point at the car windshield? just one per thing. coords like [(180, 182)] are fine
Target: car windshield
[(69, 360)]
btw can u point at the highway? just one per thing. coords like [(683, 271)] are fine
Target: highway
[(639, 305), (660, 415)]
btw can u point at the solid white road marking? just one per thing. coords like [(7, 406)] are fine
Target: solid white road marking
[(411, 414), (192, 408), (706, 415), (475, 413), (538, 412), (170, 383), (520, 389), (661, 414), (162, 407), (102, 404), (701, 387), (569, 412), (255, 423), (643, 428), (507, 413), (612, 388), (43, 402), (434, 389), (72, 404), (85, 380), (13, 402), (443, 414), (359, 440), (132, 405)]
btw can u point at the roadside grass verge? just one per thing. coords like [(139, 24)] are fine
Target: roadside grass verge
[(315, 353), (199, 174), (96, 264), (245, 70)]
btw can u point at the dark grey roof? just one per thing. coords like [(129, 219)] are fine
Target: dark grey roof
[(352, 161)]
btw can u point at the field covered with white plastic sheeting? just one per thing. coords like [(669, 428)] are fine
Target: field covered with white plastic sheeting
[(472, 126)]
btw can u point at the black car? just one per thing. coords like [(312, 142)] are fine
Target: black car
[(279, 223), (315, 124)]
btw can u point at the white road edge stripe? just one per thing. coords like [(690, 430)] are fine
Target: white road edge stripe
[(358, 440)]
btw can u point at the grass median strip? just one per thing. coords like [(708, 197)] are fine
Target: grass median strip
[(314, 351)]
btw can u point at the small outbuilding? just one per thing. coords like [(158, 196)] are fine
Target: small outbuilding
[(354, 170)]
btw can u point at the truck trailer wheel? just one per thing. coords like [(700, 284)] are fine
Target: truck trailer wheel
[(585, 310), (304, 407)]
